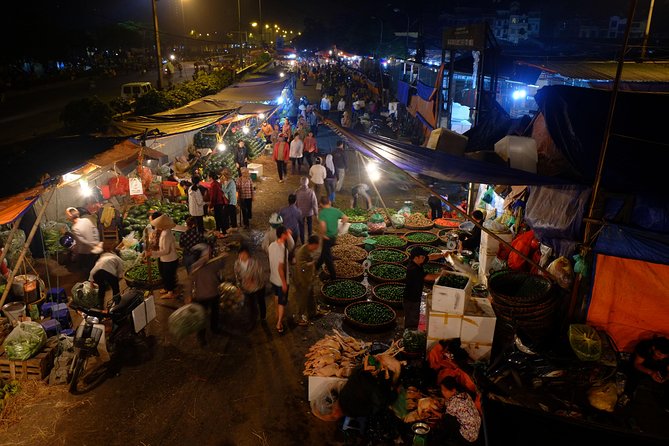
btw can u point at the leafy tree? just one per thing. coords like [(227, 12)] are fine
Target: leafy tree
[(86, 115)]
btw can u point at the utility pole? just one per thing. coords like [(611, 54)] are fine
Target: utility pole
[(260, 25), (644, 46), (239, 30), (159, 57)]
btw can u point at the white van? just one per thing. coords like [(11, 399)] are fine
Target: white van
[(133, 90)]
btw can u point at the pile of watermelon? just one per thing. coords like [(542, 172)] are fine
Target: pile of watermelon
[(137, 217)]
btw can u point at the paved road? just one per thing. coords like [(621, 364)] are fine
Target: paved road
[(26, 114)]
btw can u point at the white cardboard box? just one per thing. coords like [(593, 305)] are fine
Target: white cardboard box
[(442, 325), (450, 300), (316, 383), (519, 151), (485, 263), (478, 322), (476, 351), (490, 245), (255, 168)]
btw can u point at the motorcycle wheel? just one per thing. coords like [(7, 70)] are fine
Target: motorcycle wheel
[(81, 380)]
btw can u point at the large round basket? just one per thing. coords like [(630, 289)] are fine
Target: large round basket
[(349, 252), (419, 228), (155, 282), (348, 239), (388, 255), (431, 249), (519, 289), (377, 309), (400, 270), (447, 223), (377, 293), (389, 241), (347, 269), (355, 291), (421, 237)]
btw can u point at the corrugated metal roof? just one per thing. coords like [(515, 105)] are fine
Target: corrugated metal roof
[(606, 71)]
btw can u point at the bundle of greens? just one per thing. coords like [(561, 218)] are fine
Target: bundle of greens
[(186, 320), (25, 341)]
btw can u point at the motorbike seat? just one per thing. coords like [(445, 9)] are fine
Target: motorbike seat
[(126, 302)]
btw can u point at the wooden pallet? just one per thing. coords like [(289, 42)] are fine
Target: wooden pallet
[(37, 367)]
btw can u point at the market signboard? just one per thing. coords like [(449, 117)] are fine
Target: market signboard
[(470, 37)]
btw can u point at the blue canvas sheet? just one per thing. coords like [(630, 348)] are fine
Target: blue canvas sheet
[(629, 243)]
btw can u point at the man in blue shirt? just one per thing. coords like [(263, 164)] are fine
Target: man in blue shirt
[(291, 215)]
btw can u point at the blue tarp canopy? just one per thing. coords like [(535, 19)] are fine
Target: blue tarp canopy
[(630, 243), (418, 160)]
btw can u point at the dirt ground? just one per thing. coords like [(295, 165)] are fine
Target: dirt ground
[(244, 389)]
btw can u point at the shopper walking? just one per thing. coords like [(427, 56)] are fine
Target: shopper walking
[(196, 203), (217, 203), (296, 154), (246, 194), (302, 281), (307, 203), (329, 220), (251, 280), (205, 281), (291, 215), (317, 173), (339, 159), (241, 156), (310, 148), (191, 237), (230, 192), (330, 178), (280, 155), (279, 273)]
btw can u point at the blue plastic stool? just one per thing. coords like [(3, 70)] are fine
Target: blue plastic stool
[(51, 326), (352, 423), (56, 295)]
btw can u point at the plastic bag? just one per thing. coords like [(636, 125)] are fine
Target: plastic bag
[(397, 220), (342, 228), (358, 229), (375, 228), (130, 240), (563, 272), (376, 218), (603, 397), (85, 294), (232, 297), (128, 254), (25, 341), (325, 406), (495, 226), (186, 320)]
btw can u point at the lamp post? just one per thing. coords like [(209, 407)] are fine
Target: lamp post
[(398, 11), (159, 57), (260, 22), (644, 46)]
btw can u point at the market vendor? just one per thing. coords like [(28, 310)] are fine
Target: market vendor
[(472, 241), (106, 273), (87, 240), (650, 360), (413, 290), (360, 195)]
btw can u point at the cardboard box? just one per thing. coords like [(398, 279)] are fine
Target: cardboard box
[(442, 325), (478, 322), (490, 245), (519, 151), (477, 352), (485, 263), (317, 383), (451, 300), (255, 168)]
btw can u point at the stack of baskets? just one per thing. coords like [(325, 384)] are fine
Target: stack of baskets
[(523, 302)]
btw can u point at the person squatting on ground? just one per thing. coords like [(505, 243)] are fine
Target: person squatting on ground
[(280, 155), (205, 281), (302, 281), (106, 273), (307, 203), (279, 273), (360, 196), (251, 280), (166, 252), (329, 220)]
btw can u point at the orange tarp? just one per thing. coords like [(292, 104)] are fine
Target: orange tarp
[(630, 299), (13, 207)]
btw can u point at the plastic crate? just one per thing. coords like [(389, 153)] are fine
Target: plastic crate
[(51, 326), (56, 295)]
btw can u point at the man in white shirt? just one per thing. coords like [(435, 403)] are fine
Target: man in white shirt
[(296, 154), (87, 240), (341, 106), (106, 272), (278, 273), (317, 174)]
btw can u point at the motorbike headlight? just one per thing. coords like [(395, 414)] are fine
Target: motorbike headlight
[(92, 320)]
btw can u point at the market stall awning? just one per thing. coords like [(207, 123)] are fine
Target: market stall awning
[(13, 207), (166, 124), (257, 90), (417, 160)]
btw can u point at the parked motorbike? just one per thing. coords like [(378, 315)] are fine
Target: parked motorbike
[(93, 340)]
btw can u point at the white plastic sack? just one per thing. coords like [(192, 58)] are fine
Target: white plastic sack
[(130, 240), (342, 228)]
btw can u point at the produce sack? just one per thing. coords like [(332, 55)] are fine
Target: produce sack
[(186, 320), (25, 341), (85, 294), (358, 229), (397, 220), (232, 297), (325, 406), (376, 228), (563, 272), (603, 397), (130, 240), (209, 223), (376, 218)]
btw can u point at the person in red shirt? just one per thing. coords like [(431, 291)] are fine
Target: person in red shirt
[(310, 148), (217, 202), (281, 155)]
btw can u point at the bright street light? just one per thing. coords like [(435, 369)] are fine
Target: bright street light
[(254, 24)]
